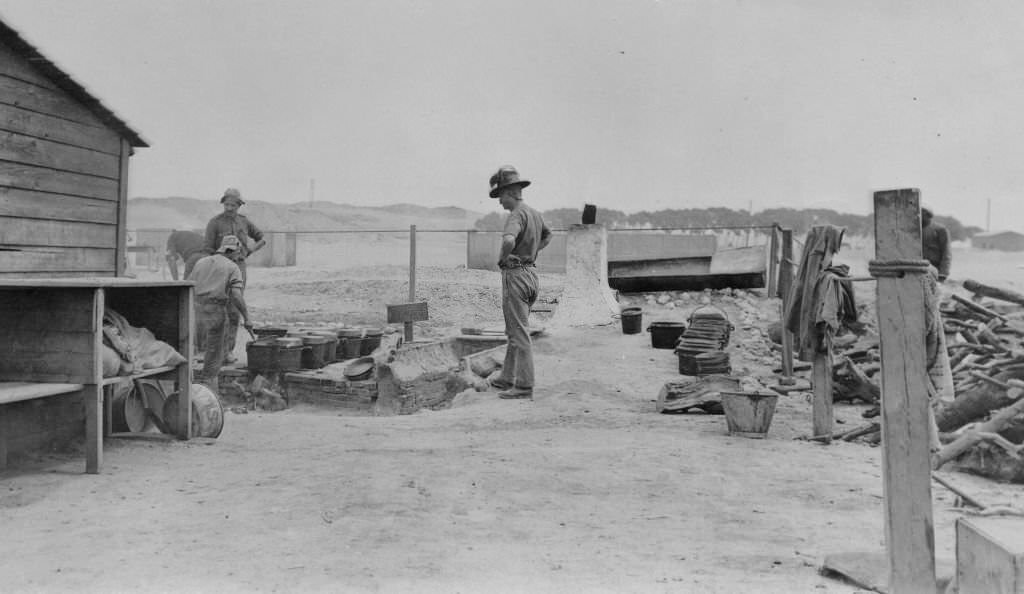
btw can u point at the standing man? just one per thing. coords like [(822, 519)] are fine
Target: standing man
[(525, 234), (189, 246), (935, 244), (230, 222), (218, 289)]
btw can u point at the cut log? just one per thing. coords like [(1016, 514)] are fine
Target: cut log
[(987, 431), (994, 292), (859, 431), (981, 310), (977, 402), (849, 383)]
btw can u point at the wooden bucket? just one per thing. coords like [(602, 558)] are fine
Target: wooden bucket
[(207, 413), (749, 414)]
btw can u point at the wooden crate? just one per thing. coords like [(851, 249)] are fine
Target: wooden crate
[(990, 555)]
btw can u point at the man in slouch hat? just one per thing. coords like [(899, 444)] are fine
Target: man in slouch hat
[(524, 235)]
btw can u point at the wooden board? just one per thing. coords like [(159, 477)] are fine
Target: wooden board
[(16, 202), (13, 65), (742, 268), (632, 246), (45, 179), (870, 571), (990, 554), (19, 148), (92, 282), (46, 100), (43, 233), (58, 261), (48, 127), (407, 312), (30, 310), (906, 457), (18, 391)]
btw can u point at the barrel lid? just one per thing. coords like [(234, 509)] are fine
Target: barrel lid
[(316, 339), (708, 311), (374, 332), (351, 332), (288, 341)]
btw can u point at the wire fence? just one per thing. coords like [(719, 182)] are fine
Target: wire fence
[(339, 249)]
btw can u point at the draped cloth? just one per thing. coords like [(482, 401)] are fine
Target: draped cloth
[(820, 299), (940, 373)]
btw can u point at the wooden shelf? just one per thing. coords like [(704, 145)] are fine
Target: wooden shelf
[(141, 374), (18, 391)]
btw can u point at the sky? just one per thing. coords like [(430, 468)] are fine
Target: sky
[(631, 105)]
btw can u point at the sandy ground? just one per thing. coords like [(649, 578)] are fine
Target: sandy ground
[(584, 489)]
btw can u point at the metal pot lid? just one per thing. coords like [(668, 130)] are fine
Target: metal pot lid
[(359, 367)]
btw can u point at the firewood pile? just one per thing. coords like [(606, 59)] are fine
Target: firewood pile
[(982, 429)]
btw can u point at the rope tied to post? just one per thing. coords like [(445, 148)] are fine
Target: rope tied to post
[(897, 268)]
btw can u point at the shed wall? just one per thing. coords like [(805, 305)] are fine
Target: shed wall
[(62, 180)]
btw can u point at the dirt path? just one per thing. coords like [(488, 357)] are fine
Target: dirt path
[(584, 489)]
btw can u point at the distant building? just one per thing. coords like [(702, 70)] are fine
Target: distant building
[(1005, 241)]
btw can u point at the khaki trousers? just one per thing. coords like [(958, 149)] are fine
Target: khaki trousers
[(519, 288)]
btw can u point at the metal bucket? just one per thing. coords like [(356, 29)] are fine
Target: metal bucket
[(664, 335), (632, 320), (749, 414)]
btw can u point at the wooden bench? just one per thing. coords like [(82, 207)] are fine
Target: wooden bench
[(53, 337)]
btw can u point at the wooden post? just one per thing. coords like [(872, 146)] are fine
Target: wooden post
[(821, 381), (906, 460), (773, 262), (785, 288), (186, 332), (121, 255), (92, 393), (412, 278)]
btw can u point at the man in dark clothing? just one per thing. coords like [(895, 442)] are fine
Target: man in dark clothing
[(525, 234), (218, 289), (230, 222), (189, 246), (935, 244)]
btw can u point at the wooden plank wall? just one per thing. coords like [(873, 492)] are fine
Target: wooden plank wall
[(154, 308), (61, 352), (62, 180)]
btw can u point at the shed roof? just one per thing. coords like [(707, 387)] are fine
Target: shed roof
[(16, 42)]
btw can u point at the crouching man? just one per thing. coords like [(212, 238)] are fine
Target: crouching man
[(218, 287)]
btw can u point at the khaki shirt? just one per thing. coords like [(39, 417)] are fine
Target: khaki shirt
[(239, 226), (214, 277), (527, 226)]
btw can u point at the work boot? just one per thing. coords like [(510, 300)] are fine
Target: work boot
[(499, 384), (516, 394)]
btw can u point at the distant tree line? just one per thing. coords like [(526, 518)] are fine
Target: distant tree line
[(799, 220)]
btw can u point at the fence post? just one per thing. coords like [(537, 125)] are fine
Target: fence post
[(906, 459), (773, 261), (412, 278), (785, 288)]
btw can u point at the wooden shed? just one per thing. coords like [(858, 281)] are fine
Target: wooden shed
[(63, 197), (1005, 241), (63, 170)]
